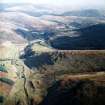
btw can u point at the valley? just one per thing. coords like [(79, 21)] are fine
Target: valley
[(50, 57)]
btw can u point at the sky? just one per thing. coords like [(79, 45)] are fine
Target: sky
[(64, 3)]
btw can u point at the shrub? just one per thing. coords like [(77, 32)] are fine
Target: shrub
[(6, 80)]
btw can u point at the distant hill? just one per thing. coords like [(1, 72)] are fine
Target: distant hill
[(86, 13), (92, 37)]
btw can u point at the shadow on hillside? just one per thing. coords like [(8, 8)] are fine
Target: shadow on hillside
[(78, 92), (38, 61)]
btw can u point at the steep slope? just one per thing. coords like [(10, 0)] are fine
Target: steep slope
[(77, 90)]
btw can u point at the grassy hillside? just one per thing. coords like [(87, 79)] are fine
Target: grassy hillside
[(76, 75), (77, 90), (67, 62)]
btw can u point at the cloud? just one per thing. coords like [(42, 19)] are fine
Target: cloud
[(64, 3)]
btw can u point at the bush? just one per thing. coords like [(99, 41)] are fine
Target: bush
[(1, 99), (6, 80), (3, 68)]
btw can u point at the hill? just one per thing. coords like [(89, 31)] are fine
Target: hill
[(86, 13), (89, 38)]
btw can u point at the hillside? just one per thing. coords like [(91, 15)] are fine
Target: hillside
[(8, 71), (89, 38), (77, 90), (67, 61), (50, 80), (8, 77)]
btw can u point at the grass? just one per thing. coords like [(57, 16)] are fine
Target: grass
[(40, 48)]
